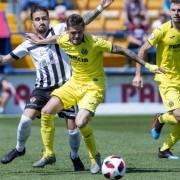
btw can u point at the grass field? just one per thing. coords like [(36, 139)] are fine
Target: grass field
[(126, 136)]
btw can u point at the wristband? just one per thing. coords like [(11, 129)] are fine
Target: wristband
[(100, 8), (151, 67)]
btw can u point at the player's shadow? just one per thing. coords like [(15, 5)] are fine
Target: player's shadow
[(43, 171), (147, 170)]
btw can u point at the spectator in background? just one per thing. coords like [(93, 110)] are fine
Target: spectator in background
[(59, 15), (166, 6), (133, 8), (137, 32), (5, 89), (161, 20), (25, 5), (69, 4)]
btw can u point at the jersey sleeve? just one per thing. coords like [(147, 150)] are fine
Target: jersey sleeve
[(155, 36), (20, 51), (102, 44)]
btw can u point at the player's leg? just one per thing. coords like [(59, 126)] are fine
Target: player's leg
[(87, 105), (82, 121), (159, 121), (74, 137), (74, 141), (5, 95), (23, 133), (48, 112), (32, 110), (171, 100), (172, 138)]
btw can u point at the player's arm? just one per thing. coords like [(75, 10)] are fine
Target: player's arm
[(37, 40), (138, 80), (6, 59), (119, 50), (90, 16)]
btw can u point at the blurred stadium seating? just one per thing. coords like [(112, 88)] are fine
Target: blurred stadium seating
[(110, 22)]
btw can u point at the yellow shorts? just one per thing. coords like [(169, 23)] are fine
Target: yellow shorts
[(170, 97), (88, 95)]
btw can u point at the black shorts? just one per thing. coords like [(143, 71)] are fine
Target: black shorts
[(40, 97)]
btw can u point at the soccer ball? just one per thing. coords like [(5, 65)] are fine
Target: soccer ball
[(113, 167)]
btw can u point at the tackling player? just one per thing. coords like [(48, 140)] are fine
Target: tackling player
[(52, 70), (167, 39), (86, 87)]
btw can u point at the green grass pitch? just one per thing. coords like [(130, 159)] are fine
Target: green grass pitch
[(127, 136)]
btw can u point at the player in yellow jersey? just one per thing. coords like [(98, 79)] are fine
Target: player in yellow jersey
[(167, 39), (86, 87)]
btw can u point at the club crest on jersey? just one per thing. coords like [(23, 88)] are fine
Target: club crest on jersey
[(84, 51), (171, 103)]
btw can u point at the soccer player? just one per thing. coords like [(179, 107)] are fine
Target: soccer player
[(167, 39), (52, 70), (86, 87)]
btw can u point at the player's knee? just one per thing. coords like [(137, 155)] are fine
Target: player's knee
[(48, 110), (80, 124), (53, 106), (45, 110), (82, 118)]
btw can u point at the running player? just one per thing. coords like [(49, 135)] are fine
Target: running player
[(167, 39), (86, 87)]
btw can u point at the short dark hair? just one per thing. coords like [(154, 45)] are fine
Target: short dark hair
[(35, 8), (75, 20), (175, 1)]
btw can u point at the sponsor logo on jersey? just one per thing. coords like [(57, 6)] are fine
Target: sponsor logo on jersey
[(78, 59), (84, 51), (174, 46)]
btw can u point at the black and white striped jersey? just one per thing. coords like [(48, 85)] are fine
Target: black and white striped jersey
[(51, 63)]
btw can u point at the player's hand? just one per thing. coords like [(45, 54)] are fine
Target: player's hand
[(138, 81), (106, 3), (154, 68)]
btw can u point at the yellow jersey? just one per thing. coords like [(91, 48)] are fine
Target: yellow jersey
[(167, 40), (87, 57)]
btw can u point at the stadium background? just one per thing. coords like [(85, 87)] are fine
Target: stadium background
[(121, 97), (125, 134)]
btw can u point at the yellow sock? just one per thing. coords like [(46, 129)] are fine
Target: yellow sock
[(172, 138), (167, 118), (47, 133), (88, 137)]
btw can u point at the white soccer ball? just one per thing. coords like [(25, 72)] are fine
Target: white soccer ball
[(113, 167)]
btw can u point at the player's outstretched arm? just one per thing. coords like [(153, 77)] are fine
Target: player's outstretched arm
[(90, 16), (37, 40), (152, 68)]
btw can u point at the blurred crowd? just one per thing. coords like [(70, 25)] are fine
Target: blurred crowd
[(137, 20), (137, 23)]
